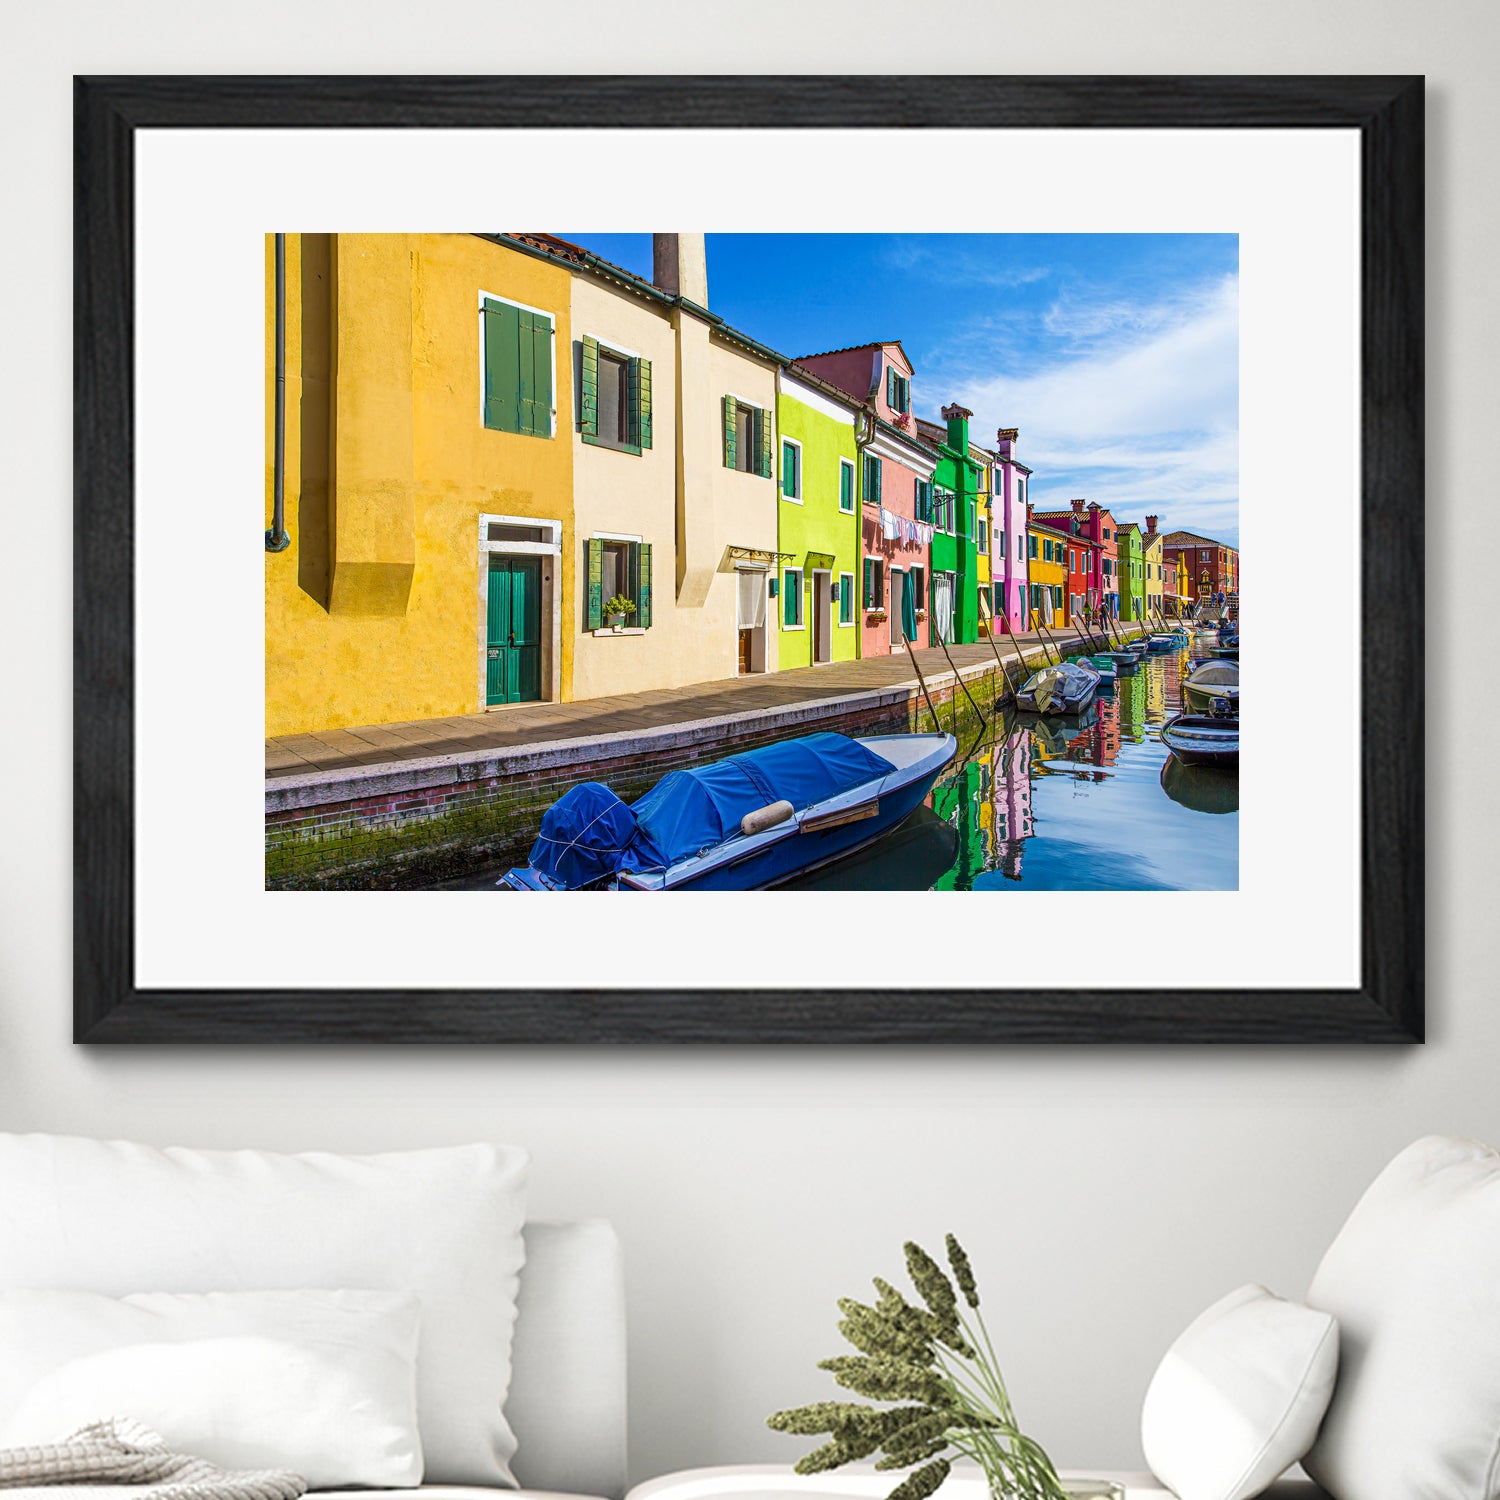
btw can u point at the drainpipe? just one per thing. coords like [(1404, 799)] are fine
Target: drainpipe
[(277, 539)]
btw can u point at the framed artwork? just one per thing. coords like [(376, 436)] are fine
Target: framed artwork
[(334, 336)]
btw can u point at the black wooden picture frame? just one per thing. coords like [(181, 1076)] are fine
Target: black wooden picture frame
[(1387, 1006)]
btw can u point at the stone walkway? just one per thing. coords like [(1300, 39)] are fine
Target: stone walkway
[(538, 723)]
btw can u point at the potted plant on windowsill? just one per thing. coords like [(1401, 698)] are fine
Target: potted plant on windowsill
[(615, 611), (921, 615), (874, 616)]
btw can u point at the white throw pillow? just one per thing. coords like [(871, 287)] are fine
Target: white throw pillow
[(1414, 1279), (321, 1383), (1237, 1399), (444, 1224)]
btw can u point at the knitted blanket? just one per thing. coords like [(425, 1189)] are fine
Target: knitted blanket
[(119, 1451)]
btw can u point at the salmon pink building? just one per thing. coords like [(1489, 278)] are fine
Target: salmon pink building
[(895, 479)]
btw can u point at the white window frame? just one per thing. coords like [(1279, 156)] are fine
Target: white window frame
[(781, 470), (551, 317), (848, 463), (848, 624), (801, 599)]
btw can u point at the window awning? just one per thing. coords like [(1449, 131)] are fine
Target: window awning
[(819, 560)]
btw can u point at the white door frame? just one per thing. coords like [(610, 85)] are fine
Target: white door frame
[(822, 603)]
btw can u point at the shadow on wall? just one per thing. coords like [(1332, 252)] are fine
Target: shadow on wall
[(313, 561)]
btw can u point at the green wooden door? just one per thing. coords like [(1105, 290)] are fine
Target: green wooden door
[(513, 666)]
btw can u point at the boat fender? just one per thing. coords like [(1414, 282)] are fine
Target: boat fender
[(766, 817)]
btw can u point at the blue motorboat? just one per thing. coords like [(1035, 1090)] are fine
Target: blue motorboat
[(743, 823), (1160, 644)]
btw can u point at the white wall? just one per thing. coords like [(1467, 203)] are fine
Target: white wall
[(1106, 1195)]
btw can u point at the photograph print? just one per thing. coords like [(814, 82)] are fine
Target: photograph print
[(833, 562)]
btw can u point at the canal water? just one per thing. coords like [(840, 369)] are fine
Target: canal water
[(1088, 803)]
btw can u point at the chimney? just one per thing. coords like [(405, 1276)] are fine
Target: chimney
[(679, 266), (957, 418), (1151, 525), (1005, 441), (1078, 507)]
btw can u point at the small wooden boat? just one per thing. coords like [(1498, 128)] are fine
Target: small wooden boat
[(1067, 688), (1203, 740), (1159, 644), (1103, 663), (1138, 646), (743, 823), (1209, 682), (1226, 653)]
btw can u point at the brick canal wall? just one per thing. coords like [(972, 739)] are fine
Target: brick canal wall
[(408, 823)]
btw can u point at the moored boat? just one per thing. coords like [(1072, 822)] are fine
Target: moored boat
[(1210, 680), (743, 823), (1203, 740), (1160, 644), (1067, 688), (1199, 788)]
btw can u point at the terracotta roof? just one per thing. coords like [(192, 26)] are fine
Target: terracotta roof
[(1192, 538)]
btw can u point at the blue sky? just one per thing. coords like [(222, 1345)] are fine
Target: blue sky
[(1117, 356)]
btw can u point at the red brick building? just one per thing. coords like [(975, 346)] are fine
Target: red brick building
[(1213, 567)]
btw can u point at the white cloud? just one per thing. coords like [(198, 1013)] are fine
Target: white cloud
[(1139, 410)]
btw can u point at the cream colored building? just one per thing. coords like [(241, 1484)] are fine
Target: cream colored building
[(675, 496)]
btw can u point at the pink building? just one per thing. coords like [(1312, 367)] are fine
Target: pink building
[(1012, 481), (895, 480)]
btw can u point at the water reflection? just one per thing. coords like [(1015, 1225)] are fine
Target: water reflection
[(1090, 802)]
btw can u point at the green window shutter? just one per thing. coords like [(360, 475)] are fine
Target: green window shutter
[(643, 585), (762, 442), (730, 455), (869, 595), (890, 386), (502, 366), (846, 487), (788, 598), (588, 414), (633, 404), (643, 401), (879, 473), (788, 470), (536, 374), (846, 599), (595, 620)]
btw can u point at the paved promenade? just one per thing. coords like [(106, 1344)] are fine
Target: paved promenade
[(539, 723)]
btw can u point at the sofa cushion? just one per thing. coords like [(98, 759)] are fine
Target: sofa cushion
[(567, 1393), (321, 1383), (1236, 1401), (443, 1224), (1413, 1278)]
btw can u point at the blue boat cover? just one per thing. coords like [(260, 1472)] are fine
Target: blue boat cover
[(584, 836), (689, 811)]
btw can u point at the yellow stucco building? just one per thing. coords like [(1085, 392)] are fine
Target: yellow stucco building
[(405, 485)]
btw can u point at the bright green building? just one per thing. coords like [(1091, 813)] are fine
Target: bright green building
[(954, 612), (817, 604), (1132, 572)]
